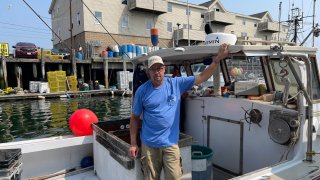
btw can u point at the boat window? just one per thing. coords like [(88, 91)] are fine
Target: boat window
[(245, 69), (315, 80), (281, 70), (175, 71), (198, 68)]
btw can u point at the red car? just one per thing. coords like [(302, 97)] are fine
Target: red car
[(25, 50)]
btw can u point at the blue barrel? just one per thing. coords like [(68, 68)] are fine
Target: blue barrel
[(201, 162), (145, 49), (110, 54), (124, 50), (134, 51), (138, 50), (130, 50)]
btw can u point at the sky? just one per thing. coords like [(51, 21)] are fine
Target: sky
[(19, 23)]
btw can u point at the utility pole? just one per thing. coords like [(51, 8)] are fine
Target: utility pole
[(71, 26)]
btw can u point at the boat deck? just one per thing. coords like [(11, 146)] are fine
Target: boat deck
[(89, 174)]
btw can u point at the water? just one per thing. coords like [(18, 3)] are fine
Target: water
[(33, 119)]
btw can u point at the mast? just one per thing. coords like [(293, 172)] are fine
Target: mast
[(279, 20), (313, 17)]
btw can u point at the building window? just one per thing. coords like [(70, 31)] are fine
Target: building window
[(243, 34), (169, 26), (243, 22), (78, 19), (217, 10), (185, 26), (125, 21), (169, 7), (98, 16), (188, 9), (232, 32), (124, 2), (149, 24), (255, 25)]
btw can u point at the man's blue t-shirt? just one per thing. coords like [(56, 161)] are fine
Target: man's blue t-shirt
[(160, 108)]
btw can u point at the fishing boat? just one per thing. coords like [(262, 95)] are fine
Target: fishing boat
[(262, 123)]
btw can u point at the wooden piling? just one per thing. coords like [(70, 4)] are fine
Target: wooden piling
[(82, 71), (43, 71), (5, 74), (34, 71), (74, 64), (106, 74)]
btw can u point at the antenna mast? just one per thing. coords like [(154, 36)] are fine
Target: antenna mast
[(279, 20)]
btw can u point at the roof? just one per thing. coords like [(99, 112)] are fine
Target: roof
[(199, 53), (259, 15), (208, 3)]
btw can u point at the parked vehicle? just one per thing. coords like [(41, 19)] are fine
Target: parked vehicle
[(25, 50), (63, 52)]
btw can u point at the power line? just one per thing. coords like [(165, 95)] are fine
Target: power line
[(5, 28), (22, 26)]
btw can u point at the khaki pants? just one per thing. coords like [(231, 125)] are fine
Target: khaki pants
[(154, 159)]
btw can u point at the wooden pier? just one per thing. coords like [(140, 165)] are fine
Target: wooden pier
[(67, 94), (17, 72)]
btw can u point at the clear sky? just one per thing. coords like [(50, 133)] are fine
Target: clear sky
[(19, 23)]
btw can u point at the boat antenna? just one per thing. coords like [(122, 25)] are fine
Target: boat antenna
[(313, 17), (279, 20), (60, 40), (105, 29)]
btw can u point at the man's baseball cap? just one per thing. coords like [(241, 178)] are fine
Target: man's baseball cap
[(153, 60)]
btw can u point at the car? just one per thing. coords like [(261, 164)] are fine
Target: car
[(25, 50), (63, 52)]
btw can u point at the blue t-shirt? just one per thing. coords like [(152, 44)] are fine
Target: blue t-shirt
[(160, 108)]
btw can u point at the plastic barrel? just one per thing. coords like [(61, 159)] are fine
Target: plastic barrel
[(134, 51), (130, 50), (125, 51), (110, 54), (116, 51), (138, 50), (201, 162)]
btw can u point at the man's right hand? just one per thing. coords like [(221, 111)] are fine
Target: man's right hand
[(133, 151)]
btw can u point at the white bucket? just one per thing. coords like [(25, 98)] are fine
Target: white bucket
[(216, 39)]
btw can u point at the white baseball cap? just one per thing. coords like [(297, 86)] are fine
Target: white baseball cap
[(153, 60)]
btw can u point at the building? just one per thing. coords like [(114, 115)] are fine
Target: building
[(95, 25)]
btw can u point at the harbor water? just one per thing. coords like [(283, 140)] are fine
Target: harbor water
[(34, 119)]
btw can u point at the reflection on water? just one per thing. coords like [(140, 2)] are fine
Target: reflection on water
[(32, 119)]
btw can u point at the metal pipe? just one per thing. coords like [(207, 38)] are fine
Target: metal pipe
[(308, 99)]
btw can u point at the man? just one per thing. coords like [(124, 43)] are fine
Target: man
[(158, 101)]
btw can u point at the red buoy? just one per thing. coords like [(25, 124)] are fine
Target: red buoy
[(80, 122)]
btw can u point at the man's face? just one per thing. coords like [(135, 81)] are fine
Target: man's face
[(156, 73)]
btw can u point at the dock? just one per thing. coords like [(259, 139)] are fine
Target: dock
[(18, 72), (68, 94)]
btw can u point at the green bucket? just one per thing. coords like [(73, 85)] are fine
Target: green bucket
[(201, 162)]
